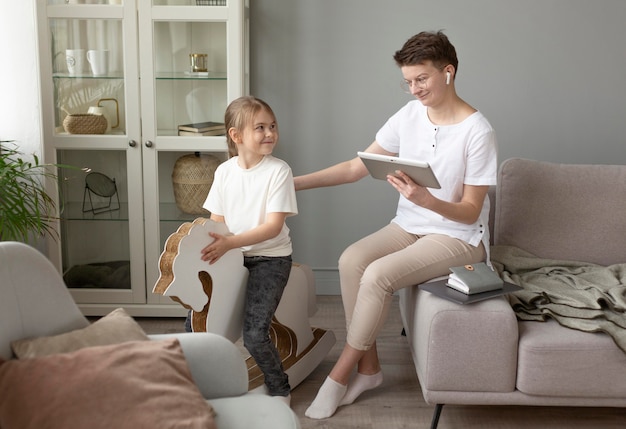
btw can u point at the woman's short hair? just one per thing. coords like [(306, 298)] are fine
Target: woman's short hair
[(427, 46)]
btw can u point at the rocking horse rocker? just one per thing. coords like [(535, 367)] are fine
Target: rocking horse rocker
[(215, 295)]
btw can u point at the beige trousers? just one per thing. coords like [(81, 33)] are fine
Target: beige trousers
[(375, 267)]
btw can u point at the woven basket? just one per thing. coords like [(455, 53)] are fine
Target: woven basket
[(85, 123), (192, 178)]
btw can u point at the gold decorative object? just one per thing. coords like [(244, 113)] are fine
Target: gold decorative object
[(117, 109)]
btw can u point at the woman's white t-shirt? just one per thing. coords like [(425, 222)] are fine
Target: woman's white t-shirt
[(245, 196), (463, 153)]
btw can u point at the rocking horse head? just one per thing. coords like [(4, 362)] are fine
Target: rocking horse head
[(200, 286)]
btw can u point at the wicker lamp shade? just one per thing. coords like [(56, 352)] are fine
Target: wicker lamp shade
[(192, 178)]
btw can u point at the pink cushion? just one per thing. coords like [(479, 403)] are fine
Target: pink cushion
[(132, 384)]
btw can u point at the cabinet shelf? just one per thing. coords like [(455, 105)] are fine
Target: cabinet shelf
[(168, 212), (189, 76), (74, 211), (87, 76)]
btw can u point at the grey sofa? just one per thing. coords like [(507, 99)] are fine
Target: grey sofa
[(481, 353)]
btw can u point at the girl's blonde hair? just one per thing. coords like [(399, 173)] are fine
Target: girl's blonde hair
[(240, 113)]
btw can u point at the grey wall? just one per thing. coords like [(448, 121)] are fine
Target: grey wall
[(548, 74)]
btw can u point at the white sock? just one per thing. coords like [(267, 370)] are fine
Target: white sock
[(359, 384), (327, 400)]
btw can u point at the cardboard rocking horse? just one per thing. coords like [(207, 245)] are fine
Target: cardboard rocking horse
[(215, 294)]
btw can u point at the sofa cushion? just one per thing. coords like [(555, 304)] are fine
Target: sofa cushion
[(115, 327), (557, 361), (539, 209), (133, 384)]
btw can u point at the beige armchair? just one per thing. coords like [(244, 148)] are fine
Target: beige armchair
[(35, 303)]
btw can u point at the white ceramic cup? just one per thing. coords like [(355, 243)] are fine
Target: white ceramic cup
[(75, 60), (99, 61)]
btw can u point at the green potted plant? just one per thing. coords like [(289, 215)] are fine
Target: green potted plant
[(26, 209)]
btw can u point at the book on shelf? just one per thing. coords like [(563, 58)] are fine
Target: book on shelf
[(474, 278), (205, 133), (201, 127)]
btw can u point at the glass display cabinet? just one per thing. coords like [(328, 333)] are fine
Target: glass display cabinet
[(119, 78)]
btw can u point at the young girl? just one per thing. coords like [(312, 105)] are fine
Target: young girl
[(253, 193)]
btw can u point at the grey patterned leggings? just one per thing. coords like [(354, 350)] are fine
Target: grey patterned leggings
[(266, 283)]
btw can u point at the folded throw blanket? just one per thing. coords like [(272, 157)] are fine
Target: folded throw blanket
[(578, 295)]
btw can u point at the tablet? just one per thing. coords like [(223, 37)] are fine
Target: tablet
[(380, 166)]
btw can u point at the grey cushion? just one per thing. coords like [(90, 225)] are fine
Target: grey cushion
[(572, 208), (556, 361)]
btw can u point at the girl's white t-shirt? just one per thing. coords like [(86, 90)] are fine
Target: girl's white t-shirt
[(245, 196), (463, 153)]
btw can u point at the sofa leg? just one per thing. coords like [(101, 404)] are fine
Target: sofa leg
[(436, 414)]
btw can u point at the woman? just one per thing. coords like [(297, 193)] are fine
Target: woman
[(433, 230)]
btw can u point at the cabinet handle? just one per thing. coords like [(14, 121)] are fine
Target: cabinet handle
[(148, 143), (132, 143)]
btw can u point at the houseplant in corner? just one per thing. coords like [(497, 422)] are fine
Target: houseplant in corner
[(26, 209)]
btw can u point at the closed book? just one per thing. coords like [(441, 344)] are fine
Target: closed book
[(474, 278), (218, 132), (201, 127)]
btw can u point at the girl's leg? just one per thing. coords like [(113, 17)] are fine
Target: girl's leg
[(266, 281)]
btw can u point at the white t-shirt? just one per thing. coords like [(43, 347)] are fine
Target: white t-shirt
[(245, 197), (463, 153)]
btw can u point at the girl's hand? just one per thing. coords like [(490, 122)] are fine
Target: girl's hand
[(214, 251), (410, 190)]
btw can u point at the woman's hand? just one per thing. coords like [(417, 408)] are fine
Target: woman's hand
[(218, 247), (410, 190), (465, 211)]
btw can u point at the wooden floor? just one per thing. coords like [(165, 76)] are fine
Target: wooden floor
[(398, 402)]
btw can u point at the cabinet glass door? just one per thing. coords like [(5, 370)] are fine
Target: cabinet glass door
[(91, 123), (193, 69)]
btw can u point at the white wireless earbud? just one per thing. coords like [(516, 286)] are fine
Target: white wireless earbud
[(447, 78)]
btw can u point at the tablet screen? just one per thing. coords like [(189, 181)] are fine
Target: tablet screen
[(380, 166)]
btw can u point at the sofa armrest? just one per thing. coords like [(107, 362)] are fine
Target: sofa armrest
[(464, 347), (217, 366)]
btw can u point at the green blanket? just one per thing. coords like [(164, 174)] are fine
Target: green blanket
[(578, 295)]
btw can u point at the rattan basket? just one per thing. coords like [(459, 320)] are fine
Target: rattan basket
[(192, 178), (85, 123)]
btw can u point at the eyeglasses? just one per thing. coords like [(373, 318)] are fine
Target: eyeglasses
[(420, 82)]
